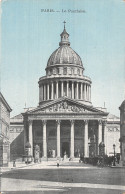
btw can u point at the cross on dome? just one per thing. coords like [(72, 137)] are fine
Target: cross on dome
[(64, 24)]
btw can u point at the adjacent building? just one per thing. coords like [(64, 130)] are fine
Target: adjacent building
[(122, 132), (4, 131)]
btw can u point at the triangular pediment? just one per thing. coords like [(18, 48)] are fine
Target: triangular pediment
[(65, 105)]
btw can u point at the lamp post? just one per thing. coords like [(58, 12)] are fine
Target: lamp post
[(114, 154)]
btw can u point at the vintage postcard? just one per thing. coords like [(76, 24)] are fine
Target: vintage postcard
[(62, 96)]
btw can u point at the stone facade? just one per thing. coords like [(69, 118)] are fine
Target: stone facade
[(4, 131), (16, 137), (122, 132), (112, 135)]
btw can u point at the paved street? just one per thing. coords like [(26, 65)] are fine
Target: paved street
[(67, 179)]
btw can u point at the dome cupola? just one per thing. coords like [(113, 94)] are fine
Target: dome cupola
[(64, 57), (64, 75)]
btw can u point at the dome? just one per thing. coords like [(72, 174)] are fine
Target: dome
[(64, 55)]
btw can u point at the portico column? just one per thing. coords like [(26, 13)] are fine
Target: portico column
[(67, 93), (77, 90), (81, 91), (58, 138), (44, 139), (99, 133), (44, 91), (72, 90), (72, 140), (62, 89), (57, 91), (31, 135), (52, 91), (47, 91), (86, 154), (84, 91)]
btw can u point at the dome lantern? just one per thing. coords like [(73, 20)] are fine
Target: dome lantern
[(64, 37)]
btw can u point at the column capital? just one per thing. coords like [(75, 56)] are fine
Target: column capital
[(104, 122), (44, 122), (86, 122), (100, 122), (58, 122), (72, 121), (30, 122)]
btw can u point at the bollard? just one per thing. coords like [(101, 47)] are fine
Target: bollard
[(57, 162)]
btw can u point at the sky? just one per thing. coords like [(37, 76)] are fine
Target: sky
[(29, 36)]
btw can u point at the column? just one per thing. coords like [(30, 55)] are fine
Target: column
[(58, 138), (99, 133), (77, 90), (41, 93), (31, 135), (72, 90), (84, 91), (62, 89), (67, 92), (104, 136), (72, 140), (52, 88), (90, 94), (86, 154), (57, 90), (44, 91), (81, 91), (47, 91), (44, 139)]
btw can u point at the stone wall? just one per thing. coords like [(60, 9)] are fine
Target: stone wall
[(16, 142)]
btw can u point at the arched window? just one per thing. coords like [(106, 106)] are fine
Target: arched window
[(65, 71), (49, 73), (54, 71), (78, 71)]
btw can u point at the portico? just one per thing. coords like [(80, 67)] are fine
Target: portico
[(64, 129)]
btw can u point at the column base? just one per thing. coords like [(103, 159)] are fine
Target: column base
[(44, 158), (58, 158), (71, 158)]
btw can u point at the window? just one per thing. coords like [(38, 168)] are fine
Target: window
[(78, 71), (65, 71), (54, 71)]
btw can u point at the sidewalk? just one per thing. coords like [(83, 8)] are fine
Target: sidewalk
[(45, 165), (18, 165)]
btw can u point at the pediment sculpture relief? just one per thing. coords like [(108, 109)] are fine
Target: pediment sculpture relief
[(63, 107)]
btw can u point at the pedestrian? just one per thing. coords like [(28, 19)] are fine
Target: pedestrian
[(14, 163)]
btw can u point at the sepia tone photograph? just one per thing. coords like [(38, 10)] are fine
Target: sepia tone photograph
[(62, 97)]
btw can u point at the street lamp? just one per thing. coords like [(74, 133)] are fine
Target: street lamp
[(114, 154)]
